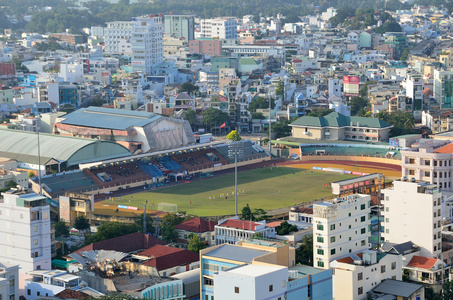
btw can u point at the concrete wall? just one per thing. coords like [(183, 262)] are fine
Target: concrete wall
[(103, 285)]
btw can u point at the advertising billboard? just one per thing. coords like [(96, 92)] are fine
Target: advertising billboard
[(351, 86)]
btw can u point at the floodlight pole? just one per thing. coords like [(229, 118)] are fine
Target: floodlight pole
[(236, 175), (270, 129)]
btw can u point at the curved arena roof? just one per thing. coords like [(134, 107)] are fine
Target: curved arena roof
[(23, 147)]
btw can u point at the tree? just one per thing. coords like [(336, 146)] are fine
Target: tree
[(246, 213), (357, 103), (447, 291), (260, 214), (389, 26), (190, 115), (405, 54), (364, 89), (95, 101), (169, 233), (213, 116), (285, 228), (172, 219), (109, 230), (81, 223), (188, 88), (260, 102), (61, 229), (281, 129), (234, 136), (258, 116), (320, 113), (19, 65), (280, 90), (138, 220), (304, 254), (195, 244)]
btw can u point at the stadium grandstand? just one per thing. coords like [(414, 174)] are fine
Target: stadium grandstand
[(308, 147), (146, 169), (58, 153), (138, 131)]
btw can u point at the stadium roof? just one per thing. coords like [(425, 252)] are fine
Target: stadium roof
[(335, 119), (23, 147), (109, 118)]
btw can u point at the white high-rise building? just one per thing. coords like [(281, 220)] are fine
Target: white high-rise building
[(220, 28), (116, 34), (25, 237), (412, 212), (340, 227), (9, 281), (147, 49)]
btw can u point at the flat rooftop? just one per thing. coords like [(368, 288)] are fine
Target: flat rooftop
[(358, 179), (236, 253), (254, 270), (306, 270)]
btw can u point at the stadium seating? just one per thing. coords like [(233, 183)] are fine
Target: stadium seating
[(69, 182)]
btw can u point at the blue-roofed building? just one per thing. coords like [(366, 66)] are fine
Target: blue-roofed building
[(260, 269), (301, 104), (136, 130)]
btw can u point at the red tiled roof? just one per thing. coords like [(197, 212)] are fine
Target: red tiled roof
[(70, 294), (348, 259), (445, 149), (422, 262), (274, 224), (240, 224), (198, 225), (126, 243), (165, 257)]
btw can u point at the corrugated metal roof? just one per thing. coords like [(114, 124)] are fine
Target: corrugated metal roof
[(335, 119), (397, 288), (23, 146), (109, 118)]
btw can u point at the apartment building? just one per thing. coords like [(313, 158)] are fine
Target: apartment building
[(357, 274), (180, 26), (147, 48), (412, 212), (259, 269), (25, 237), (117, 36), (443, 93), (340, 226), (218, 28), (431, 163), (9, 281)]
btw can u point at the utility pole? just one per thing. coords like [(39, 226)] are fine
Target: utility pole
[(144, 217), (270, 129), (236, 176)]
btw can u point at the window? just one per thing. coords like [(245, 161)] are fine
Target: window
[(349, 214), (363, 243), (28, 292), (362, 218), (359, 276), (332, 227), (360, 291), (363, 230), (283, 283), (332, 239), (35, 228), (321, 264), (383, 269), (320, 227), (38, 293), (236, 290), (35, 242), (320, 252), (362, 207), (332, 251), (320, 239), (393, 265), (271, 288)]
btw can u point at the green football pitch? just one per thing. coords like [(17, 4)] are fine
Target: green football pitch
[(268, 188)]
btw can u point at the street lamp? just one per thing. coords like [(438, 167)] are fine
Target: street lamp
[(235, 151)]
